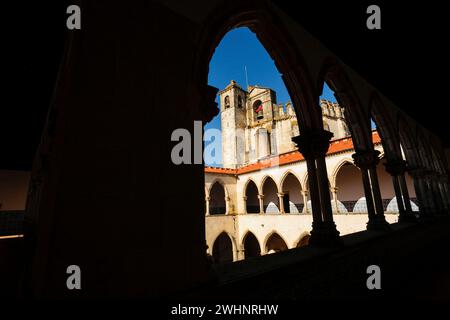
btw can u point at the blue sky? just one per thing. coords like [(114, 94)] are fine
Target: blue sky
[(241, 48)]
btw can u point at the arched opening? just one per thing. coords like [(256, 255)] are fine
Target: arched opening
[(350, 193), (251, 246), (275, 244), (217, 204), (222, 249), (303, 242), (248, 108), (270, 192), (341, 114), (258, 110), (247, 96), (292, 194), (227, 102), (252, 201)]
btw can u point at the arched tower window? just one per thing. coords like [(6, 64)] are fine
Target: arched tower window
[(258, 109), (227, 102)]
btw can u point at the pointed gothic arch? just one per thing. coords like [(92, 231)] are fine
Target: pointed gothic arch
[(270, 191), (251, 199), (251, 245), (291, 190), (274, 243), (217, 198), (222, 251)]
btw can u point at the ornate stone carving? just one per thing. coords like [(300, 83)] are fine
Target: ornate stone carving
[(396, 167), (366, 159), (313, 143)]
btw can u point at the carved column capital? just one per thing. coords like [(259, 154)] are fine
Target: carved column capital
[(280, 194), (366, 159), (396, 167), (313, 143), (260, 196)]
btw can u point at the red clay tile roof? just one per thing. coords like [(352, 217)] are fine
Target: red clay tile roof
[(336, 146)]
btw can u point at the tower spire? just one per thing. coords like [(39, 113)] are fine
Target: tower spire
[(246, 77)]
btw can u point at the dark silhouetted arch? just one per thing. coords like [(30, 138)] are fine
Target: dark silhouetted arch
[(251, 246), (217, 203), (222, 249)]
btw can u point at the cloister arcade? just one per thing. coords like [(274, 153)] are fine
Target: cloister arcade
[(94, 162), (369, 179), (276, 196)]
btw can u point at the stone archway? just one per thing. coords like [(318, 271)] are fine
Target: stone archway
[(251, 198), (251, 246), (275, 243), (217, 202), (303, 242), (349, 188), (292, 194), (270, 193), (222, 251)]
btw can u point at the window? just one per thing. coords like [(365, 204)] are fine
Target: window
[(227, 102), (258, 109), (239, 102)]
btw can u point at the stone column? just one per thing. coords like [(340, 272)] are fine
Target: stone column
[(314, 191), (368, 195), (227, 205), (432, 204), (335, 199), (245, 204), (324, 190), (207, 205), (397, 168), (261, 203), (440, 186), (405, 193), (313, 144), (398, 196), (421, 194), (376, 193), (445, 191), (280, 200), (367, 161), (305, 201)]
